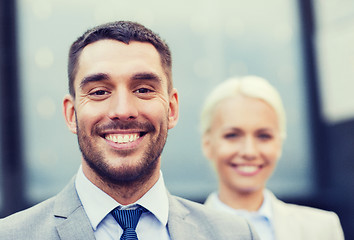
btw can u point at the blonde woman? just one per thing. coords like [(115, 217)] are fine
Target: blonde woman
[(243, 128)]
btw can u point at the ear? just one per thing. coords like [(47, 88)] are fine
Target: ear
[(173, 109), (69, 112), (206, 146)]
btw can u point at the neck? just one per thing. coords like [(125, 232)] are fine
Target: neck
[(124, 194), (246, 200), (128, 194)]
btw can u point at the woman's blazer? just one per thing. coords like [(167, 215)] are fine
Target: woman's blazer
[(294, 222)]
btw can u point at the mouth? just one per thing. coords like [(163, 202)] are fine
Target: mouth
[(247, 170), (123, 138)]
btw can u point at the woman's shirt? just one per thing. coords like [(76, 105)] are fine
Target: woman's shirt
[(261, 220)]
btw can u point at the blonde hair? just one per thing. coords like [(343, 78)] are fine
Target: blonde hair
[(250, 86)]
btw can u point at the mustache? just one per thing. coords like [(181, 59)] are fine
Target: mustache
[(124, 125)]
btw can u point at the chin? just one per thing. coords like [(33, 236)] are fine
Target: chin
[(246, 190)]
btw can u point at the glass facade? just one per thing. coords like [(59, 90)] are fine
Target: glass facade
[(335, 54), (210, 41)]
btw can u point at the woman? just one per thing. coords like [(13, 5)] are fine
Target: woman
[(244, 126)]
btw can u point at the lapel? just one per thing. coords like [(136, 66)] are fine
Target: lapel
[(285, 224), (71, 219), (180, 224)]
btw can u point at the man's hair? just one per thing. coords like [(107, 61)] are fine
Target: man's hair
[(250, 86), (123, 31)]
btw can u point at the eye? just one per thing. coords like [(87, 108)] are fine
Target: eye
[(231, 135), (143, 90), (99, 93), (265, 136)]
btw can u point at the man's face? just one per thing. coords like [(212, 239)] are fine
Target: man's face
[(122, 111)]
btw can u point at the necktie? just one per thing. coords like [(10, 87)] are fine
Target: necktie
[(128, 219)]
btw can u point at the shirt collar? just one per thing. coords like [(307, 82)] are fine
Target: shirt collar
[(265, 210), (98, 204)]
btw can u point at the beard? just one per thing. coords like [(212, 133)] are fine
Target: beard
[(125, 175)]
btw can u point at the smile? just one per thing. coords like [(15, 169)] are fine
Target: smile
[(122, 138), (247, 170)]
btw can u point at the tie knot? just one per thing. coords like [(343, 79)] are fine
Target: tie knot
[(127, 218)]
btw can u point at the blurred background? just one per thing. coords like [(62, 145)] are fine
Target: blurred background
[(303, 47)]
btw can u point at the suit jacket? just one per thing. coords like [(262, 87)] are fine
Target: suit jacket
[(294, 222), (63, 217)]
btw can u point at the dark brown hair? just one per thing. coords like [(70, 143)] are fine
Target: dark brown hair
[(123, 31)]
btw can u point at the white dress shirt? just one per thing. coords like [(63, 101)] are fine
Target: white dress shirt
[(261, 220), (152, 225)]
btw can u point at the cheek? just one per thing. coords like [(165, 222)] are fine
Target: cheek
[(89, 116), (154, 110), (223, 152), (273, 152)]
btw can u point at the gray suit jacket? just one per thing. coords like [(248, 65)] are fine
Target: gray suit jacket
[(63, 217)]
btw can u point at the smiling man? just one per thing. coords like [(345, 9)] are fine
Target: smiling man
[(121, 105), (121, 111)]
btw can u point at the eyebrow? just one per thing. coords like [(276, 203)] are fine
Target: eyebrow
[(93, 78), (103, 76), (240, 129), (147, 76), (265, 130)]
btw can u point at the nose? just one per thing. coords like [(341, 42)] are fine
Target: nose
[(249, 150), (122, 106)]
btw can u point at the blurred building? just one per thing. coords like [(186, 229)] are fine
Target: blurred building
[(304, 48)]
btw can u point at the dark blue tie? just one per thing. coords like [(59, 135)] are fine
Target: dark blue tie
[(128, 219)]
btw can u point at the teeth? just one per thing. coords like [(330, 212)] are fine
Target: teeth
[(122, 138), (248, 169)]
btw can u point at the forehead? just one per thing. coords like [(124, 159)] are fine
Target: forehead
[(244, 111), (118, 59)]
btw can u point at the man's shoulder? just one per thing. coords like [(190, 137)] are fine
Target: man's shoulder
[(25, 224), (36, 212), (209, 214), (213, 221)]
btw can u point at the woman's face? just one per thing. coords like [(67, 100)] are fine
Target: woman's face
[(244, 143)]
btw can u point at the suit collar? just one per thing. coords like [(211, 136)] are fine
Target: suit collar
[(98, 204), (284, 222), (73, 223), (71, 219)]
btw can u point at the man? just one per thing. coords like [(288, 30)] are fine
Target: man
[(121, 105)]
